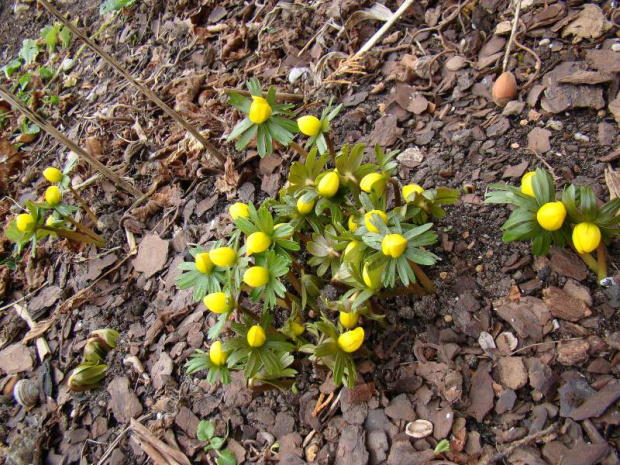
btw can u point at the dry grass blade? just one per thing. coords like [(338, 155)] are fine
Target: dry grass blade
[(149, 94), (159, 451), (104, 170)]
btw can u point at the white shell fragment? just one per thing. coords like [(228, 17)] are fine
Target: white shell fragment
[(419, 429)]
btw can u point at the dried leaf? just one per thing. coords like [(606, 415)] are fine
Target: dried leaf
[(612, 178)]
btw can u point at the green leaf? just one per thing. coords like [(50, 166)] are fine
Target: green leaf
[(217, 442), (11, 67), (254, 87), (50, 36), (65, 35), (442, 446), (216, 329), (115, 5), (205, 431), (239, 102), (241, 127), (226, 458), (29, 51)]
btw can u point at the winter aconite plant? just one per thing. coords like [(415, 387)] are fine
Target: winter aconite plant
[(572, 218), (52, 217), (338, 221)]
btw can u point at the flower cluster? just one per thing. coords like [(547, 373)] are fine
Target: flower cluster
[(349, 224), (575, 219), (52, 218)]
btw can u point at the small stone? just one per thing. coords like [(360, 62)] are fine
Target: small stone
[(581, 137), (512, 372), (571, 353), (505, 401), (16, 358), (564, 306), (481, 395), (538, 140), (352, 447), (567, 264), (400, 408), (123, 402), (152, 255)]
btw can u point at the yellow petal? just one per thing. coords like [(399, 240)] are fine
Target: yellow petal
[(256, 336), (409, 189), (218, 302), (256, 276), (369, 216), (204, 263), (526, 183), (393, 245), (25, 222), (309, 125), (328, 185), (52, 195), (239, 210), (551, 215), (216, 354), (368, 182), (260, 111), (586, 237), (223, 256), (351, 340), (257, 242), (52, 174), (348, 320), (304, 208)]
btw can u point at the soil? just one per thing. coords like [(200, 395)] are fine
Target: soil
[(551, 398)]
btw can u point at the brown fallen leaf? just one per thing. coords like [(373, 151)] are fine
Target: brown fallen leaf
[(586, 77), (228, 183), (589, 24), (612, 178)]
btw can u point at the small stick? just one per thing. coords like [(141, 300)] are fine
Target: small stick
[(96, 164), (279, 95), (330, 146), (521, 442), (601, 255), (294, 281), (154, 98), (298, 148), (513, 33), (423, 278), (537, 67), (73, 235), (82, 203), (380, 33), (81, 227), (398, 200)]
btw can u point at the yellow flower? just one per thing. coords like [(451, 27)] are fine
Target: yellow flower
[(368, 181), (239, 210), (204, 263), (218, 302), (526, 183), (328, 185), (309, 125), (369, 216), (288, 236), (350, 248), (52, 195), (393, 245), (52, 174), (256, 276), (256, 336), (372, 278), (25, 222), (551, 215), (217, 355), (348, 320), (586, 237), (410, 189), (304, 208), (297, 328), (260, 111), (351, 340), (257, 242), (223, 256), (353, 225)]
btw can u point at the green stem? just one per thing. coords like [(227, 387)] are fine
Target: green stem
[(587, 258), (601, 255), (247, 312), (82, 228)]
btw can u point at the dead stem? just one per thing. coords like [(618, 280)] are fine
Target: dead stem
[(294, 281), (513, 33), (601, 255), (72, 235), (330, 146), (398, 200), (83, 204), (299, 149), (423, 278), (279, 95), (82, 228), (413, 288), (247, 312)]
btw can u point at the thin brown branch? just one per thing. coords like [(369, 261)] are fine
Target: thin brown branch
[(83, 204), (279, 95), (513, 33), (330, 146), (148, 93)]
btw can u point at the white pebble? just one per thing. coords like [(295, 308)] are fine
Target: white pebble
[(581, 137)]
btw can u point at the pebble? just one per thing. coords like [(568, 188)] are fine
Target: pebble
[(515, 145), (544, 42), (555, 125), (581, 137)]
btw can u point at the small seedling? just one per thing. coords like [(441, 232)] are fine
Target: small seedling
[(206, 433)]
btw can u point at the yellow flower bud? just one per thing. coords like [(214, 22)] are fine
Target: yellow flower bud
[(257, 242), (260, 111), (217, 355), (52, 174), (372, 278), (353, 225), (238, 210), (256, 336), (256, 276), (393, 245), (348, 320), (551, 215), (350, 248), (218, 302), (25, 222), (351, 340), (526, 183), (329, 184), (297, 328), (288, 236), (410, 189), (52, 195), (304, 208), (223, 256), (586, 237), (309, 125), (369, 216), (368, 181), (204, 263)]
